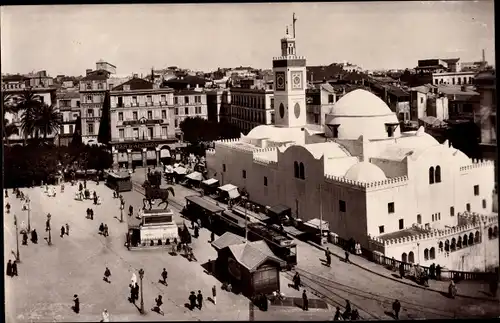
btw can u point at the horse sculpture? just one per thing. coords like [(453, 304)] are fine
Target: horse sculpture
[(155, 193)]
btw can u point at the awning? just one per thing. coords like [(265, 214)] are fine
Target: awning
[(169, 169), (228, 187), (315, 223), (165, 153), (233, 193), (180, 170), (210, 181), (280, 209), (195, 176)]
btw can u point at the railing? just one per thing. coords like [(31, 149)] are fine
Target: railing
[(393, 264)]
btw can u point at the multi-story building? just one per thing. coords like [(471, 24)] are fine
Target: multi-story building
[(400, 193), (68, 103), (93, 90), (320, 99), (443, 71), (40, 79), (214, 103), (189, 103), (105, 66), (427, 101), (141, 119)]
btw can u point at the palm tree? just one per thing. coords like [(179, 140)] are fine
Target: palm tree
[(28, 102), (49, 120)]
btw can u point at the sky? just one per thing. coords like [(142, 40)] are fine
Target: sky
[(374, 35)]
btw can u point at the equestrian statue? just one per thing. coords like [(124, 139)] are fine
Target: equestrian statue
[(153, 192)]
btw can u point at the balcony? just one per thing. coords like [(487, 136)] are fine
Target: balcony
[(145, 138)]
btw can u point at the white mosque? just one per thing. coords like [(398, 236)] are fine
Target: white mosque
[(400, 193)]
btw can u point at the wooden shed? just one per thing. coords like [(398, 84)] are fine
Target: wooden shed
[(251, 267)]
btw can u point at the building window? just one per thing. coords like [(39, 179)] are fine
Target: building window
[(121, 133), (437, 175), (342, 206), (90, 128), (431, 175), (390, 207), (186, 99), (99, 86), (421, 100), (176, 111), (176, 100), (151, 132), (381, 229), (467, 207), (120, 102), (401, 224), (452, 211), (150, 115), (301, 171), (265, 181), (134, 100), (186, 111), (164, 132), (164, 114), (134, 115), (163, 98), (330, 98), (197, 99), (484, 204), (176, 123), (316, 118), (120, 116), (136, 133), (476, 190), (244, 173), (224, 168), (90, 113), (149, 99), (296, 169), (89, 98), (89, 86), (419, 219), (61, 129), (70, 128)]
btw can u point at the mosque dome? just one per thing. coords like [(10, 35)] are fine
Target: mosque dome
[(360, 103), (365, 172)]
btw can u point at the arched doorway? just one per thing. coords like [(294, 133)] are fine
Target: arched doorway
[(459, 242), (411, 257), (471, 239), (440, 245), (166, 154), (465, 241), (136, 157), (122, 158), (432, 253), (404, 257), (453, 244)]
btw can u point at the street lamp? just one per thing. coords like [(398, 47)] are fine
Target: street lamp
[(47, 228), (18, 258), (29, 213), (141, 275), (121, 211)]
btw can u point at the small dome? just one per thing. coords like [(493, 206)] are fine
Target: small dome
[(365, 172), (360, 103)]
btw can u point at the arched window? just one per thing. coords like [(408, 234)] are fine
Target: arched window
[(419, 219), (404, 257), (437, 175), (411, 257), (302, 174), (447, 245), (426, 254), (459, 242), (441, 245), (495, 232), (490, 233), (465, 241), (296, 169), (432, 253), (471, 239), (453, 246), (431, 175), (477, 237)]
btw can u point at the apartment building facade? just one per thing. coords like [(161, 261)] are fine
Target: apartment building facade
[(142, 123), (188, 103), (68, 103)]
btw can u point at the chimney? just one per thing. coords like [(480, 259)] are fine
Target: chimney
[(88, 71), (484, 57)]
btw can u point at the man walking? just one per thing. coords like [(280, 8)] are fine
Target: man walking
[(67, 229), (159, 303), (62, 231), (199, 298), (106, 232), (396, 306), (192, 301), (76, 307), (9, 268), (305, 301), (214, 294), (347, 257), (14, 268), (402, 270), (164, 276), (107, 274), (34, 236), (105, 316)]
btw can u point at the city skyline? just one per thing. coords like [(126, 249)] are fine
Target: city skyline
[(378, 35)]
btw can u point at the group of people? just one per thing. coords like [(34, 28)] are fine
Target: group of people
[(349, 314), (103, 229), (12, 268), (195, 300)]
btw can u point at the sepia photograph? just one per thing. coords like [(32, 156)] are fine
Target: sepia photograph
[(282, 161)]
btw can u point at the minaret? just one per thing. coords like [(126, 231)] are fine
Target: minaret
[(289, 84)]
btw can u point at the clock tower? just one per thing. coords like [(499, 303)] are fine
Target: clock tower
[(290, 88)]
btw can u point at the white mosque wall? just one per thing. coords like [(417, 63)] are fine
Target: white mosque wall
[(391, 168)]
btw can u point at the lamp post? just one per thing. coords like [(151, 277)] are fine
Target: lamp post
[(141, 275), (121, 211), (29, 214), (18, 258), (47, 228)]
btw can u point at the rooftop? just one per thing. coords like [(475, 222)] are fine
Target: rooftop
[(403, 233), (135, 84)]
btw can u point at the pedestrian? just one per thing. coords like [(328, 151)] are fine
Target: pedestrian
[(101, 228), (9, 268), (338, 315), (199, 298), (91, 214), (136, 292), (62, 231), (196, 232), (354, 315), (438, 272), (192, 301), (80, 187), (305, 301), (85, 183), (132, 295), (347, 312), (25, 238), (67, 229), (105, 316), (432, 270), (134, 279), (401, 270), (159, 303), (107, 274), (212, 237), (164, 275), (214, 294), (95, 199), (327, 252), (347, 256), (106, 232), (76, 307), (328, 260), (396, 306), (34, 236), (130, 210), (14, 268), (296, 281)]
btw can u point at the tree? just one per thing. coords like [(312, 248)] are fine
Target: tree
[(49, 120), (194, 129), (104, 134), (29, 103)]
